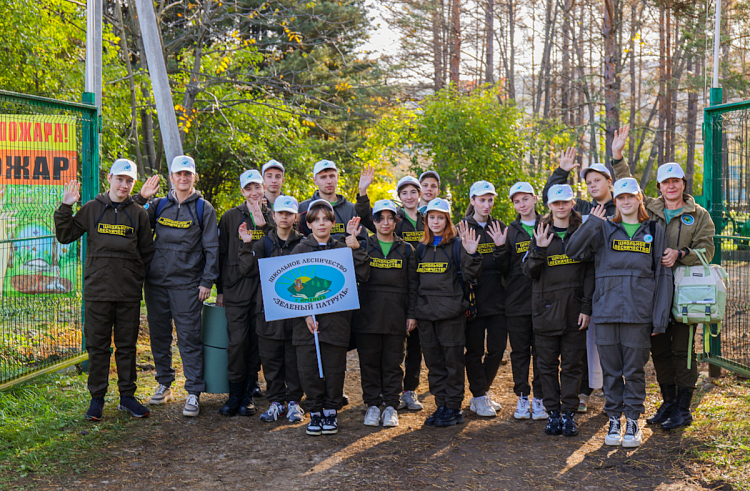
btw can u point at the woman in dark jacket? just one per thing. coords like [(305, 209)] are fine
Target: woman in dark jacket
[(561, 309), (441, 308), (387, 300)]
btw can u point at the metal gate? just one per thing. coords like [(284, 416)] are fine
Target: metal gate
[(44, 143)]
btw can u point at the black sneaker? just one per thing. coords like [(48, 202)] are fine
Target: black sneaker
[(450, 417), (569, 427), (131, 405), (330, 424), (315, 427), (95, 409), (430, 421), (554, 425)]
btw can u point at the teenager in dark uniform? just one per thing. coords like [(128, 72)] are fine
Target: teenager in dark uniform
[(410, 227), (386, 314), (441, 308), (325, 395), (429, 182), (119, 245), (633, 300), (236, 293), (489, 292), (179, 280), (273, 181), (277, 353), (518, 303), (561, 309)]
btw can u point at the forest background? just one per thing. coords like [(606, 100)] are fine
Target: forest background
[(477, 89)]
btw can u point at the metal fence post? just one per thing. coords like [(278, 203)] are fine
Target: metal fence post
[(715, 200)]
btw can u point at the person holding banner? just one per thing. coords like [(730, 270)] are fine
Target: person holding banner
[(381, 332), (119, 245), (562, 288), (632, 302), (184, 268), (489, 322), (277, 353), (518, 304), (325, 394), (445, 264), (236, 293), (410, 227)]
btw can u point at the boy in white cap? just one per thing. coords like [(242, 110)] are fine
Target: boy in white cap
[(237, 294), (688, 227), (119, 245), (326, 178), (430, 184), (273, 173), (277, 352), (184, 268)]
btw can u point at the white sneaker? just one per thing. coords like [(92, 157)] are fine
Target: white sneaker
[(523, 408), (192, 408), (162, 394), (294, 412), (410, 401), (538, 412), (633, 434), (613, 438), (274, 411), (390, 417), (372, 417), (480, 406), (495, 405)]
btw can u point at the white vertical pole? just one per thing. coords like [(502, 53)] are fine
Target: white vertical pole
[(94, 20), (717, 43), (170, 132)]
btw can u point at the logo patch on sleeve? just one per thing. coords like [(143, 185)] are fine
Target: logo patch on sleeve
[(377, 262), (106, 228), (560, 260), (522, 247), (631, 246), (687, 219), (432, 267)]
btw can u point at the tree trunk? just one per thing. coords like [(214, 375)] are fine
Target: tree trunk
[(662, 89), (611, 94), (437, 44), (692, 119), (512, 40), (668, 122), (631, 142), (490, 19), (565, 82), (455, 51)]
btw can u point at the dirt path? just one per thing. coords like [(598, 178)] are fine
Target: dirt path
[(212, 452)]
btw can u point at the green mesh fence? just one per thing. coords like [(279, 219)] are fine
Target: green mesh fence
[(43, 145)]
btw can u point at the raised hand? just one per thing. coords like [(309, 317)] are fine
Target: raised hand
[(71, 192), (568, 159), (619, 140), (470, 241), (498, 236), (258, 217), (600, 212), (353, 228), (150, 187), (462, 228), (365, 179), (244, 235), (542, 236)]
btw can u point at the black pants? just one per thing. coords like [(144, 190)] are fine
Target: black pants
[(326, 392), (242, 351), (279, 358), (413, 365), (380, 358), (443, 346), (101, 319), (584, 385), (481, 372), (670, 354), (523, 348), (560, 362)]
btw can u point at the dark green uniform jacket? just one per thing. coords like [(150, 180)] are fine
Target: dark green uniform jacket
[(560, 176), (518, 285), (404, 228), (342, 208), (119, 247), (490, 289)]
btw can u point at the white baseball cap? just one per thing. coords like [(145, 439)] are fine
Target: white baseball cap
[(287, 203), (317, 202), (408, 180), (123, 167), (429, 173), (598, 167), (181, 163), (249, 176), (322, 165), (272, 164), (438, 204), (521, 187), (384, 204), (669, 170), (480, 188), (626, 185), (560, 192)]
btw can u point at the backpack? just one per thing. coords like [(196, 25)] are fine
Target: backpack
[(162, 203), (467, 288)]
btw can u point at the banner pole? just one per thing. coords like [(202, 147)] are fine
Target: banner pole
[(317, 347)]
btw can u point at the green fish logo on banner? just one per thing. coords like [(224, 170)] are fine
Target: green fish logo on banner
[(309, 284)]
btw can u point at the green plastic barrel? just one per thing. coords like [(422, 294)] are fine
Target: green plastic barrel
[(215, 342)]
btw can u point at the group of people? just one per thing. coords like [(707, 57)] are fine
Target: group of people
[(583, 294)]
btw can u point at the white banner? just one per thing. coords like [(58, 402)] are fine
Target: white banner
[(305, 284)]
